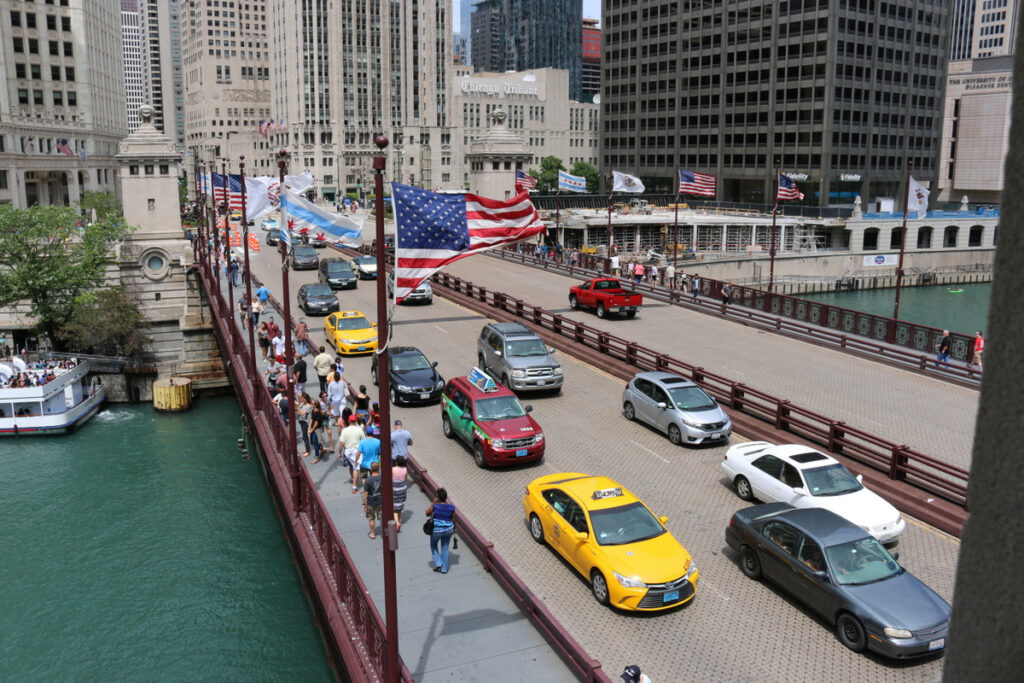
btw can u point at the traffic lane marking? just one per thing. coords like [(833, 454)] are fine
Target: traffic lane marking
[(648, 450)]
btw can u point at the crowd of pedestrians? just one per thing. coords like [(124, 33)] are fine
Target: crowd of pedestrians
[(37, 374)]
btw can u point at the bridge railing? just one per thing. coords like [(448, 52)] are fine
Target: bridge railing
[(352, 622), (898, 461)]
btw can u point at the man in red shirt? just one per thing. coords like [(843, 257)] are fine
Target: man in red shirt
[(979, 348)]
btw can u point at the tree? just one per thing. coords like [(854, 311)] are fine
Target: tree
[(104, 203), (106, 321), (49, 259), (547, 178), (582, 168)]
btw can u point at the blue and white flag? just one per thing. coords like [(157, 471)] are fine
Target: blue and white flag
[(305, 217), (573, 183), (262, 192)]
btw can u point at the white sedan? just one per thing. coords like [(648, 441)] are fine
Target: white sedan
[(805, 478)]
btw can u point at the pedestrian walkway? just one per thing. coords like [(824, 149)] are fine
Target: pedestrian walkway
[(460, 626)]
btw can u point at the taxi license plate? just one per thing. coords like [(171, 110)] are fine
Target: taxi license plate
[(937, 644), (361, 348), (671, 596), (521, 452), (424, 396)]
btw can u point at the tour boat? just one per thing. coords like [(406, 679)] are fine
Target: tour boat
[(60, 405)]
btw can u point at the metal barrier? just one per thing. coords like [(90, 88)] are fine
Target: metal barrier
[(896, 341), (898, 461)]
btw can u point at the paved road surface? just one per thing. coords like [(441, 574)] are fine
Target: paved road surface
[(735, 629)]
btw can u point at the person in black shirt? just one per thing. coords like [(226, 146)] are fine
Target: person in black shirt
[(944, 347)]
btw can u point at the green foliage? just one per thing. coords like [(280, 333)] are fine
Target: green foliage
[(105, 203), (582, 168), (48, 260), (547, 177), (107, 321)]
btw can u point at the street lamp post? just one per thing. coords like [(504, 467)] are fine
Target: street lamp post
[(289, 350)]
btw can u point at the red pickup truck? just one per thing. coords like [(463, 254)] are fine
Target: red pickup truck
[(605, 295)]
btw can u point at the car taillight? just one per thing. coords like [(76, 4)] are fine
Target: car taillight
[(526, 490), (732, 521)]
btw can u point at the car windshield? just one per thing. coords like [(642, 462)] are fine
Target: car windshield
[(348, 324), (499, 408), (304, 252), (367, 260), (691, 398), (526, 347), (319, 290), (407, 362), (862, 561), (625, 524), (832, 480), (339, 269)]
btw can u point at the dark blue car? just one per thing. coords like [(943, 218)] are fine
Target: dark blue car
[(844, 574), (413, 378)]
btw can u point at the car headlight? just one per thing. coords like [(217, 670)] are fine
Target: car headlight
[(440, 384), (498, 443), (557, 371), (897, 632), (628, 582), (519, 374), (402, 387), (690, 423), (537, 438), (692, 570)]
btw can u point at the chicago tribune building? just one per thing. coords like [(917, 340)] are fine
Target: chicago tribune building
[(538, 109), (842, 92)]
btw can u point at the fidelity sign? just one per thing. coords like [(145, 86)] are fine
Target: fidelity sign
[(499, 89)]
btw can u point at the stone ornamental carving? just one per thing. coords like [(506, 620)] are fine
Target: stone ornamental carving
[(498, 117), (146, 113)]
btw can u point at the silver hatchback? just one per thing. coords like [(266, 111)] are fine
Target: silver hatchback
[(675, 406)]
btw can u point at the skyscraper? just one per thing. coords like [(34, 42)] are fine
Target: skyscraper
[(591, 62), (161, 25), (136, 83), (515, 35), (465, 35), (62, 111), (982, 28), (843, 93)]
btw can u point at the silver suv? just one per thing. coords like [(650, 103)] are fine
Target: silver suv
[(518, 358)]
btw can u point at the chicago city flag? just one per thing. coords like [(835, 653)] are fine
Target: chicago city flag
[(432, 230), (573, 183), (623, 182)]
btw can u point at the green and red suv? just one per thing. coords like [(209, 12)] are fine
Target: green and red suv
[(491, 421)]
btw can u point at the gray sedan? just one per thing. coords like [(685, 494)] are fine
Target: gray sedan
[(675, 406), (841, 572)]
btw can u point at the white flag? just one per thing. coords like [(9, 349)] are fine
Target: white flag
[(262, 193), (917, 198), (623, 182)]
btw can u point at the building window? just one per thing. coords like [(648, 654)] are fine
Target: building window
[(72, 99), (149, 169), (15, 18), (19, 71), (151, 205), (22, 96), (164, 169), (3, 180), (36, 71), (68, 52), (69, 73), (133, 169), (18, 44), (37, 96), (58, 98)]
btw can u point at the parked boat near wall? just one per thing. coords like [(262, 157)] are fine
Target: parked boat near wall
[(67, 399)]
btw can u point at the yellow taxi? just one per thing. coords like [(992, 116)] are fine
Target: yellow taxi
[(350, 332), (611, 538)]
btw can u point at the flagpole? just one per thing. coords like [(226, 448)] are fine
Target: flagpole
[(903, 243), (289, 350), (214, 230), (227, 230), (392, 671), (771, 249), (558, 224), (248, 280), (675, 226), (195, 203), (608, 260)]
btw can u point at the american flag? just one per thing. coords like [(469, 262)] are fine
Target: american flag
[(64, 148), (432, 230), (524, 182), (232, 190), (696, 183), (788, 189)]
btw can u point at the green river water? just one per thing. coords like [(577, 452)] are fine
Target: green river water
[(141, 547), (964, 312)]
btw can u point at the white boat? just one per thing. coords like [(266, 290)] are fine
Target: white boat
[(60, 405)]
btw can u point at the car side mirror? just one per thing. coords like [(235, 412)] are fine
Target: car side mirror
[(895, 554), (800, 491), (528, 408), (662, 405), (551, 349), (373, 325), (466, 416), (860, 478), (821, 576), (581, 535), (498, 354), (663, 519)]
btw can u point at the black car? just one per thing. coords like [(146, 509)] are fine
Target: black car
[(304, 258), (337, 273), (844, 574), (366, 267), (318, 299), (273, 237), (414, 379)]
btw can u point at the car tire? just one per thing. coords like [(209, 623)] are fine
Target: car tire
[(629, 411), (446, 426), (630, 314), (507, 381), (850, 632), (600, 310), (480, 363), (478, 456), (675, 435), (573, 303), (742, 488), (750, 563), (536, 529), (394, 396), (373, 375), (599, 587)]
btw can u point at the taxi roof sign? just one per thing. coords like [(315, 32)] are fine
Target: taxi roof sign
[(481, 380), (350, 314), (607, 493)]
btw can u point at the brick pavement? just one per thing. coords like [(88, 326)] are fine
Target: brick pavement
[(734, 628)]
